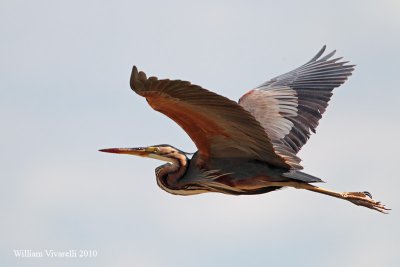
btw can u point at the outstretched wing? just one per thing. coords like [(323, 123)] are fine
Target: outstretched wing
[(289, 106), (218, 126)]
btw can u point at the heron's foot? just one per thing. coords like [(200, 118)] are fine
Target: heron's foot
[(365, 199)]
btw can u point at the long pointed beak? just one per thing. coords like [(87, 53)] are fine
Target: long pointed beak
[(138, 151)]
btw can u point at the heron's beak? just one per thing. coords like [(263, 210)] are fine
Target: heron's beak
[(147, 152), (138, 151)]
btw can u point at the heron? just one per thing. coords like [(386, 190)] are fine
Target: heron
[(247, 147)]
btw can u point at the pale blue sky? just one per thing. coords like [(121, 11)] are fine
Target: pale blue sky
[(64, 93)]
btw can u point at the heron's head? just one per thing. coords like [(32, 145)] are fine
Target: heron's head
[(161, 152)]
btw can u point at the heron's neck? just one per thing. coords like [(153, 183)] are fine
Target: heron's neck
[(169, 174)]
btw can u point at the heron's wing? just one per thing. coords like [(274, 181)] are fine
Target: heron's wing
[(218, 126), (289, 106)]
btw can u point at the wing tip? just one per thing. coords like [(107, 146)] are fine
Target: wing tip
[(318, 58), (134, 77), (137, 80), (318, 55)]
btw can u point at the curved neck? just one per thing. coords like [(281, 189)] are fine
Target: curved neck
[(168, 175)]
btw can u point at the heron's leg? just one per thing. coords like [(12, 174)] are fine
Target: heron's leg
[(358, 198)]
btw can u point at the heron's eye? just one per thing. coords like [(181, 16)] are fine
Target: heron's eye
[(156, 149)]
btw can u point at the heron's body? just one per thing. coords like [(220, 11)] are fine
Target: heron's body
[(249, 147), (236, 177)]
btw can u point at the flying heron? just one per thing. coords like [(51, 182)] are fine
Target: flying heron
[(246, 147)]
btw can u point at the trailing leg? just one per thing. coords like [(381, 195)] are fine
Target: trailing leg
[(359, 198)]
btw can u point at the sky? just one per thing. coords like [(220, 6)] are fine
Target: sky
[(64, 94)]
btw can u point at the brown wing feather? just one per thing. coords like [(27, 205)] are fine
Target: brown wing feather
[(218, 126)]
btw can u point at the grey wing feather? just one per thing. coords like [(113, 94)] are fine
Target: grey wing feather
[(290, 106)]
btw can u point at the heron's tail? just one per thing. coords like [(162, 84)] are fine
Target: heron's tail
[(301, 176)]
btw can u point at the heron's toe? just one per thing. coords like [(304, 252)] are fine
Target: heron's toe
[(368, 194)]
